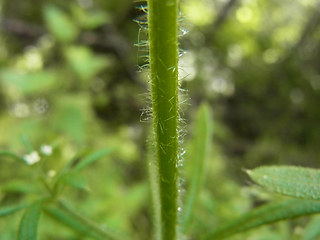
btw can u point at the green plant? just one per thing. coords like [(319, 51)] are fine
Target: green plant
[(48, 187), (163, 50), (172, 215), (298, 183), (290, 181)]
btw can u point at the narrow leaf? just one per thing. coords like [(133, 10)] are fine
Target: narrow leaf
[(85, 63), (4, 211), (26, 142), (76, 180), (312, 230), (291, 181), (92, 158), (59, 24), (73, 162), (72, 219), (63, 174), (11, 154), (267, 214), (29, 222), (198, 156), (64, 218), (21, 187)]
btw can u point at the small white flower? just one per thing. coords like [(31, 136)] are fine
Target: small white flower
[(46, 149), (32, 158)]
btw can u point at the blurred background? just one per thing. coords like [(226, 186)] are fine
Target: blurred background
[(73, 75)]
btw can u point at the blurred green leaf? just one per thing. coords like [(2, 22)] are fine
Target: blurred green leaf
[(291, 181), (76, 180), (69, 221), (266, 214), (11, 154), (85, 64), (64, 214), (135, 198), (21, 187), (4, 211), (29, 223), (312, 230), (26, 142), (72, 112), (59, 24), (90, 19), (79, 155), (197, 156), (71, 121), (92, 158), (28, 83)]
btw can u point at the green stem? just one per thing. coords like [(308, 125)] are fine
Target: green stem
[(154, 186), (163, 47)]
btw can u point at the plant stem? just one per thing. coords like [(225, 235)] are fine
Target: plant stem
[(163, 47), (154, 186)]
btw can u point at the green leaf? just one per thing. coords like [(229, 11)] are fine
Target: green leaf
[(197, 156), (84, 62), (12, 155), (21, 187), (76, 180), (90, 19), (92, 158), (291, 181), (312, 230), (72, 219), (74, 161), (267, 214), (59, 24), (65, 218), (29, 223), (72, 113), (26, 142), (4, 211), (29, 83)]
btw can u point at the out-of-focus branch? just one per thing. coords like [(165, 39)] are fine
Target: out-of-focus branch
[(223, 14), (311, 25), (21, 29), (111, 41), (221, 18), (309, 28)]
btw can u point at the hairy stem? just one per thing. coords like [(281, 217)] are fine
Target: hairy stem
[(163, 45)]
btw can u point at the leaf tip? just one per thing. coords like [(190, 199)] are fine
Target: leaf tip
[(249, 172)]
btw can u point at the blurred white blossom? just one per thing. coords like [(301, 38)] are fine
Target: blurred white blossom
[(46, 149), (32, 158)]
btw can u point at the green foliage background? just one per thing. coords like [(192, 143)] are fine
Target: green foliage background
[(69, 78)]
